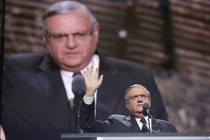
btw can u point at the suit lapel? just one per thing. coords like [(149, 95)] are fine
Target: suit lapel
[(156, 126), (134, 126), (51, 83)]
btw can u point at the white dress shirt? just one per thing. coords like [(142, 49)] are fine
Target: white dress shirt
[(141, 124)]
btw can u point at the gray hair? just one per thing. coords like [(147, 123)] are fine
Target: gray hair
[(135, 85), (63, 7)]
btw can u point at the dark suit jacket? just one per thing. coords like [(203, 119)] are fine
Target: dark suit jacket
[(118, 123), (34, 100)]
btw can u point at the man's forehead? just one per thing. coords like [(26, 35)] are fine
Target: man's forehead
[(79, 13), (80, 19), (137, 89)]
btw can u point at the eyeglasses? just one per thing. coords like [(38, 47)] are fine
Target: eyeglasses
[(60, 38), (135, 97)]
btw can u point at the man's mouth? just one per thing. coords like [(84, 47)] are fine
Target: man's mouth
[(139, 104)]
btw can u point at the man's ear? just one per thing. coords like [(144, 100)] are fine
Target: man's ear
[(150, 101), (44, 37), (127, 104), (96, 27)]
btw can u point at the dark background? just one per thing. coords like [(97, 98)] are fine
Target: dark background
[(171, 37)]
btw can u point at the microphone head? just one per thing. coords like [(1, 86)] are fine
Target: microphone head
[(145, 110), (145, 106), (78, 85)]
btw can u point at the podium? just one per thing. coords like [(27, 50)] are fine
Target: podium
[(136, 136)]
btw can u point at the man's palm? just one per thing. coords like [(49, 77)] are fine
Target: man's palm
[(92, 79)]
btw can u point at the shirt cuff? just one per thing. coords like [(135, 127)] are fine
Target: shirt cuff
[(88, 99)]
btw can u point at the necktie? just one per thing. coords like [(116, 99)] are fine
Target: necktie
[(144, 126), (78, 88)]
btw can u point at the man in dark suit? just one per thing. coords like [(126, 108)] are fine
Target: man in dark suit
[(37, 92), (136, 97)]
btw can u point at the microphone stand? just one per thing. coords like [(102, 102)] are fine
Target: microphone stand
[(78, 88), (146, 113), (77, 105), (150, 124)]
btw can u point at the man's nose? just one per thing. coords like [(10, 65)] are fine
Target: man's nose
[(139, 99), (71, 41)]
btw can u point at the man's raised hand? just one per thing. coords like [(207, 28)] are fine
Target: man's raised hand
[(92, 80)]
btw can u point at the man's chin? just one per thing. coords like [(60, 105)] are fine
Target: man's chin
[(72, 63), (139, 109), (139, 112), (71, 66)]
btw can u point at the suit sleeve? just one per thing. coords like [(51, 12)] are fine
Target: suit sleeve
[(173, 128), (88, 122), (169, 127)]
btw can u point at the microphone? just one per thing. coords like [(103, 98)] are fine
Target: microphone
[(78, 85), (145, 110), (78, 88)]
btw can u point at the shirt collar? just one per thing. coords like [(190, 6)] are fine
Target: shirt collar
[(94, 62)]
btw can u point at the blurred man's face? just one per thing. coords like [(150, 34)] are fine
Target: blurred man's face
[(137, 96), (71, 39)]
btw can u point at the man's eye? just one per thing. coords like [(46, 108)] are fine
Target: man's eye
[(59, 36), (136, 96), (143, 96), (79, 34)]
